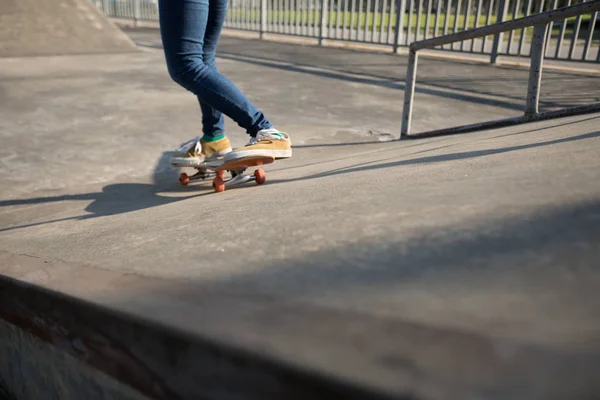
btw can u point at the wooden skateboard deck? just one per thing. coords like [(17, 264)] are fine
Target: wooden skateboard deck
[(246, 162)]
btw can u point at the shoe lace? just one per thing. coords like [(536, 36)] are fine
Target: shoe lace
[(253, 140)]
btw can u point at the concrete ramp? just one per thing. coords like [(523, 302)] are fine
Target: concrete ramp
[(56, 27)]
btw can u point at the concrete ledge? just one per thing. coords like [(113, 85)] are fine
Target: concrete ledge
[(65, 347), (147, 338)]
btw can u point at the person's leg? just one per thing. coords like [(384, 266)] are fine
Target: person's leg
[(212, 120), (214, 142), (184, 24), (268, 140), (183, 27), (213, 123)]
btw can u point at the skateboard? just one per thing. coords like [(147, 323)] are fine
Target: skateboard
[(236, 168)]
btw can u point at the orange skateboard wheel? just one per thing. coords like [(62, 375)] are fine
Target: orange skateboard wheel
[(184, 179), (260, 176), (218, 184)]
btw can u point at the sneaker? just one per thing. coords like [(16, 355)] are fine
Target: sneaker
[(196, 151), (268, 142), (215, 149)]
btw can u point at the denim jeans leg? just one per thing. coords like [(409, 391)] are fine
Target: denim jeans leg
[(186, 25)]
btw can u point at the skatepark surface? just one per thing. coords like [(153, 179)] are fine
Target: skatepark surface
[(460, 266), (53, 27)]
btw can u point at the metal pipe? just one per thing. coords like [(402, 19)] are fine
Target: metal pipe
[(374, 23), (323, 20), (588, 40), (366, 30), (352, 14), (447, 17), (535, 71), (502, 9), (574, 38), (456, 17), (477, 16), (389, 21), (359, 19), (487, 22), (436, 24), (297, 18), (316, 11), (383, 14), (511, 33), (427, 19), (344, 26), (409, 93), (466, 24), (263, 17), (338, 15), (524, 30), (418, 24), (305, 16), (411, 6), (550, 28), (399, 24), (137, 13)]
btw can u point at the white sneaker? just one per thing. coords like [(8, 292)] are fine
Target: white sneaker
[(189, 154)]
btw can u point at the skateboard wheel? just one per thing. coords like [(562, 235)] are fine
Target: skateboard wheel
[(184, 179), (220, 174), (218, 184), (260, 176)]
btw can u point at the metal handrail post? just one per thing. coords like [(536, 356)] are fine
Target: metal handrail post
[(409, 92), (137, 12), (323, 20), (502, 11), (535, 71), (399, 24), (263, 17)]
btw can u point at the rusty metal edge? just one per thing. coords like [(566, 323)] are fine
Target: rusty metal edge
[(124, 347)]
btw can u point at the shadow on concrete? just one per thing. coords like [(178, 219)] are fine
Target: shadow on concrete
[(371, 165), (565, 235), (121, 198)]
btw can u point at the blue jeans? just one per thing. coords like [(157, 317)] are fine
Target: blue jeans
[(190, 30)]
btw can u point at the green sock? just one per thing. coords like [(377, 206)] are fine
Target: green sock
[(207, 138)]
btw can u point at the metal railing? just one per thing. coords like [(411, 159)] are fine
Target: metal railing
[(397, 23), (542, 23)]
